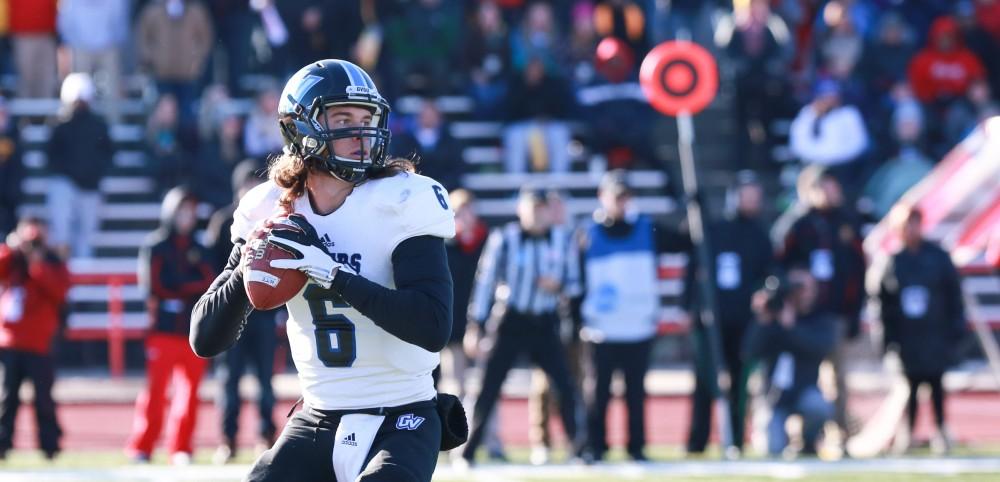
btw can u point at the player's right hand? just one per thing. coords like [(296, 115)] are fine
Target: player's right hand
[(315, 262)]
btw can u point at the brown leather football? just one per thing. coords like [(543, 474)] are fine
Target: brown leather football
[(268, 287)]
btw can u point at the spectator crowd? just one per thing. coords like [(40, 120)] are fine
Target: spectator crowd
[(876, 91), (873, 93)]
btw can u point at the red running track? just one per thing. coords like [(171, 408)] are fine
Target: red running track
[(974, 419)]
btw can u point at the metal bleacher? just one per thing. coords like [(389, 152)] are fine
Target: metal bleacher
[(495, 189)]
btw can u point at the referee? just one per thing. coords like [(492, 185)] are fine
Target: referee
[(524, 270)]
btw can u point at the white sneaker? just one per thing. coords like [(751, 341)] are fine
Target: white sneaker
[(942, 443), (223, 455), (180, 458), (539, 455), (461, 465), (902, 443)]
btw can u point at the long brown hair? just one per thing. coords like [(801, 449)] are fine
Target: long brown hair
[(290, 171)]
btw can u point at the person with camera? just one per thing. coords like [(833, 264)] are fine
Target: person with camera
[(923, 315), (825, 238), (790, 338), (33, 286)]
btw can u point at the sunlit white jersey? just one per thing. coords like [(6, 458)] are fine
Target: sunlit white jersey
[(344, 360)]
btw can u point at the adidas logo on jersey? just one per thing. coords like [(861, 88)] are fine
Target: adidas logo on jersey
[(349, 440), (327, 241), (409, 422)]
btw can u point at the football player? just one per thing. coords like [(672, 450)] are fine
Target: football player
[(365, 331)]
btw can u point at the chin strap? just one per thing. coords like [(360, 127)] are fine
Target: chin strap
[(338, 172)]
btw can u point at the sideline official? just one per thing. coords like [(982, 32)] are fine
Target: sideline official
[(521, 276)]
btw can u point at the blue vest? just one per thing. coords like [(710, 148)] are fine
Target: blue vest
[(622, 301)]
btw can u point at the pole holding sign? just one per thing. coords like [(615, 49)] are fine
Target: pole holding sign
[(680, 79)]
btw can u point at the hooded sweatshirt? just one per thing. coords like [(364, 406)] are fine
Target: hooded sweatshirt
[(936, 74), (174, 270)]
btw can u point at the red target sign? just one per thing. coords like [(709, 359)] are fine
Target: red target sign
[(679, 76)]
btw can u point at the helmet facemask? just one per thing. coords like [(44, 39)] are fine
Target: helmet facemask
[(315, 138)]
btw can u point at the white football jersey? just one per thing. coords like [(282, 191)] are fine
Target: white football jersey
[(344, 360)]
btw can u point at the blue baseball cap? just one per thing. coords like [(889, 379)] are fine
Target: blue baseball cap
[(826, 87)]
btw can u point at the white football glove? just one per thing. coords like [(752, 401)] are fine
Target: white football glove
[(311, 257)]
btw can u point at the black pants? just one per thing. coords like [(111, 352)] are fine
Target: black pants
[(701, 399), (537, 336), (304, 450), (633, 360), (18, 366), (256, 346), (937, 397)]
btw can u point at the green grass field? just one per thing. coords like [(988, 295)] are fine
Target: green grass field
[(972, 465)]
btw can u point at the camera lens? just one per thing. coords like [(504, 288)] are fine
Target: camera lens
[(772, 283)]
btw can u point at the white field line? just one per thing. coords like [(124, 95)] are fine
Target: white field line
[(511, 473)]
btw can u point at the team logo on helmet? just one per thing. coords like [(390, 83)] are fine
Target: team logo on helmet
[(361, 90)]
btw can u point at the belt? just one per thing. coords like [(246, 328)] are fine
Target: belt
[(327, 414)]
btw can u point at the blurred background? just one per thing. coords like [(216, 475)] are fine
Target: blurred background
[(872, 109)]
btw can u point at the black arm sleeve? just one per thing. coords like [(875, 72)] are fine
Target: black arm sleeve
[(219, 315), (418, 311), (812, 339)]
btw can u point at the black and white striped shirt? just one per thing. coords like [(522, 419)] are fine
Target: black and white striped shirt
[(511, 265)]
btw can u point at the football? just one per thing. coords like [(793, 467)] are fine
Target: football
[(268, 287)]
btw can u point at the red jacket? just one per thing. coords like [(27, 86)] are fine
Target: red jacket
[(36, 296), (32, 16), (935, 74)]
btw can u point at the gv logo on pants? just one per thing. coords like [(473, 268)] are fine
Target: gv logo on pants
[(409, 421)]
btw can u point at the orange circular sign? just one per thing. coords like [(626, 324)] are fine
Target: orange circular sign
[(679, 76)]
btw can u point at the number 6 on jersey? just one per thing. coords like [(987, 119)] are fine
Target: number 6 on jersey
[(439, 192), (336, 346)]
